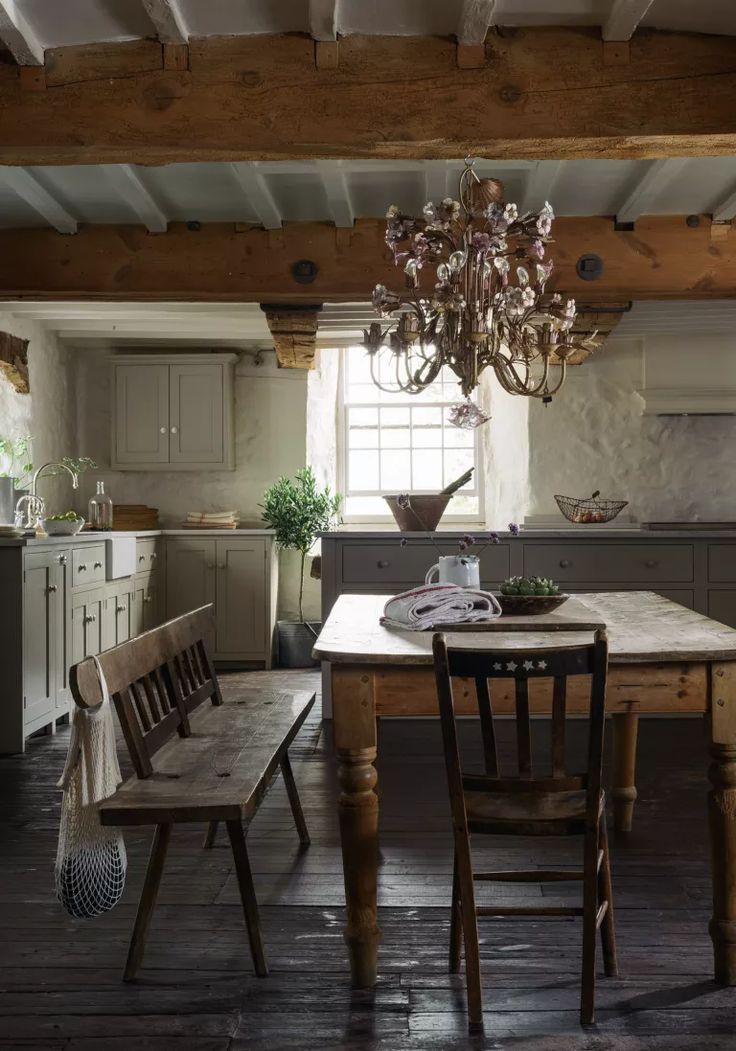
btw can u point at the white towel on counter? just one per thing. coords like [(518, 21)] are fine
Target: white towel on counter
[(422, 608)]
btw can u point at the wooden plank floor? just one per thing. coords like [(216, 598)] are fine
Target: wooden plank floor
[(60, 986)]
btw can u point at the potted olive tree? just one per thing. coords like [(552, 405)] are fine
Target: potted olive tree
[(297, 510)]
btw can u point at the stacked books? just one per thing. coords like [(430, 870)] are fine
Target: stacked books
[(211, 520), (134, 517)]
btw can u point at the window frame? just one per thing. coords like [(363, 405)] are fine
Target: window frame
[(343, 406)]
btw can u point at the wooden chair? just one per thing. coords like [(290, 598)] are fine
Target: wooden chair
[(525, 802), (194, 762)]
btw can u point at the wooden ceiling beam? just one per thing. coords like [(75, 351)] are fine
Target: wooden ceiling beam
[(662, 258), (294, 332), (19, 36), (26, 186), (544, 93), (648, 189), (257, 190), (127, 183)]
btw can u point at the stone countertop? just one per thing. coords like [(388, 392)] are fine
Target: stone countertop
[(582, 532), (90, 536)]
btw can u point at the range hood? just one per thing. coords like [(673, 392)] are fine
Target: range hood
[(691, 376)]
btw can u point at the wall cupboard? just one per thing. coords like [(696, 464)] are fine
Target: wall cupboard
[(59, 608), (173, 412)]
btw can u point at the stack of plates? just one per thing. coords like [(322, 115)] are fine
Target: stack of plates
[(10, 530)]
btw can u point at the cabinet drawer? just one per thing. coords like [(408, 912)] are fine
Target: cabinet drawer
[(721, 562), (722, 607), (609, 563), (392, 565), (88, 564), (146, 555)]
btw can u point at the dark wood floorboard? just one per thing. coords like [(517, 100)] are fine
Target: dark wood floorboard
[(60, 987)]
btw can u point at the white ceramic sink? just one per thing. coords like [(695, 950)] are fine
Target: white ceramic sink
[(120, 557)]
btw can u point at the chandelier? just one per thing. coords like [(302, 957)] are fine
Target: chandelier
[(487, 306)]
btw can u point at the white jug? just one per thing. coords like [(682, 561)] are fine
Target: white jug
[(462, 570)]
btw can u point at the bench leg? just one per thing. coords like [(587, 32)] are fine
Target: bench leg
[(294, 801), (210, 835), (247, 895), (148, 899)]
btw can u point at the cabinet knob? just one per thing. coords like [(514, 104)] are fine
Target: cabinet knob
[(81, 567), (651, 563), (120, 609), (162, 430), (62, 560), (174, 430), (90, 618), (51, 588), (141, 558), (564, 563), (148, 598), (383, 563), (98, 565), (153, 557)]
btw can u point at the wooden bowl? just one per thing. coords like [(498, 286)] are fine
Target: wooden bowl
[(422, 515), (529, 605)]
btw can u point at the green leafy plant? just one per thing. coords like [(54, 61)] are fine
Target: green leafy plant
[(297, 510), (15, 459)]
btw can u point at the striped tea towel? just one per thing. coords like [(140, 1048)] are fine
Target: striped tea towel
[(422, 608)]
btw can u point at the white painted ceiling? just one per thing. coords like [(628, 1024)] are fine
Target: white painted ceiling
[(57, 23), (242, 326), (270, 193)]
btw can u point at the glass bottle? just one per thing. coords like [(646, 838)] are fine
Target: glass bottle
[(100, 509)]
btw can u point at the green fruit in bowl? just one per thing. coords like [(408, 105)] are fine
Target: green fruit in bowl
[(529, 586)]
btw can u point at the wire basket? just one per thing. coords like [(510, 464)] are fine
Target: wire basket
[(585, 512)]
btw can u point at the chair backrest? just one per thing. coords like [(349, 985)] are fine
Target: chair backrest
[(523, 666), (155, 681)]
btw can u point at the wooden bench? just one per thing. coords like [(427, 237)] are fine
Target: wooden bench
[(194, 762)]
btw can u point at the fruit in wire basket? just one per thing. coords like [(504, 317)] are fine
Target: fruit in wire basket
[(529, 586), (592, 510)]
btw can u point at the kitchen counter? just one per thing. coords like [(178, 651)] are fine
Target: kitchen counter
[(89, 536), (571, 532)]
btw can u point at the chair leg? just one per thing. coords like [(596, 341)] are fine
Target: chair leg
[(456, 936), (470, 929), (294, 801), (590, 932), (146, 904), (210, 835), (247, 895), (605, 893)]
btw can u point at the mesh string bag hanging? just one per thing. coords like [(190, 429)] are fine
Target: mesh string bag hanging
[(90, 858)]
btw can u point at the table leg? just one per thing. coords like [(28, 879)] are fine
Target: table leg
[(623, 792), (722, 817), (354, 721)]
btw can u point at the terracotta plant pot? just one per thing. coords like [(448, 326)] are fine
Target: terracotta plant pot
[(423, 513)]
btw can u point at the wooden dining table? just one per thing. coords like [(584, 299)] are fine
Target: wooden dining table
[(664, 659)]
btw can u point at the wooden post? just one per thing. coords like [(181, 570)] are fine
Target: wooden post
[(623, 792), (722, 816), (354, 719)]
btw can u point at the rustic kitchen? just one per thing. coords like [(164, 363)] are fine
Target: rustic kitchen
[(366, 472)]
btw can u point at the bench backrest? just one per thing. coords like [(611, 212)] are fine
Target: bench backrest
[(155, 681)]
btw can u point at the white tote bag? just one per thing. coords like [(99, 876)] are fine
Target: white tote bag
[(90, 857)]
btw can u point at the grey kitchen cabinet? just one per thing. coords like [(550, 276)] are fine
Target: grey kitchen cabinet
[(238, 577), (173, 412), (722, 606), (145, 604), (88, 626), (44, 655)]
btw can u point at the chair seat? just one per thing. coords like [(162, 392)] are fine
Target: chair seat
[(527, 813)]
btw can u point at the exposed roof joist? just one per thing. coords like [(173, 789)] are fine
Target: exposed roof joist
[(725, 210), (27, 186), (475, 18), (643, 196), (323, 19), (19, 36), (336, 187), (256, 189), (623, 19), (540, 185), (167, 17), (127, 183)]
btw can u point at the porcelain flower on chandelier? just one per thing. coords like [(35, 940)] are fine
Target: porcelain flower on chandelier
[(475, 275)]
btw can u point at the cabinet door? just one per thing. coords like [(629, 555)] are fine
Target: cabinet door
[(141, 414), (241, 598), (123, 609), (43, 610), (151, 605), (197, 414), (87, 624), (190, 574)]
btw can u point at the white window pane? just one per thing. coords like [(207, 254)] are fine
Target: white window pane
[(457, 462), (395, 437), (363, 437), (395, 471), (359, 366), (426, 417), (363, 471), (464, 505), (395, 417), (457, 438), (365, 506), (427, 470), (363, 417), (427, 437)]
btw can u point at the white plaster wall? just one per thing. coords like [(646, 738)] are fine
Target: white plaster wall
[(594, 436), (48, 411), (270, 440), (505, 443)]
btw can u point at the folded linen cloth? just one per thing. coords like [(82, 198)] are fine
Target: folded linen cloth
[(211, 516), (422, 608)]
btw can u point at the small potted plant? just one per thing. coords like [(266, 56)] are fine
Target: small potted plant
[(298, 511), (15, 469)]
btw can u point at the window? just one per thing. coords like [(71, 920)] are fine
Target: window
[(401, 443)]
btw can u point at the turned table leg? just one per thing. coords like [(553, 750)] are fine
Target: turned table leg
[(623, 791), (722, 818), (354, 719)]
